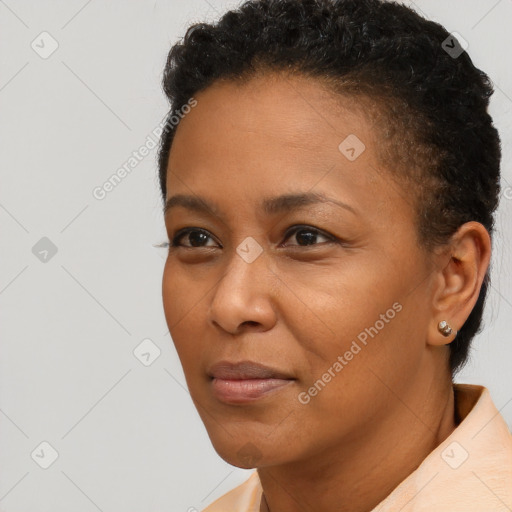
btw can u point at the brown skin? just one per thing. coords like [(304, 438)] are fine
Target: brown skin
[(298, 307)]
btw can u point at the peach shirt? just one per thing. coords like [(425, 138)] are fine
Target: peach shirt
[(471, 471)]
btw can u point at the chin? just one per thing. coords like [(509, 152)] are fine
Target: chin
[(244, 453)]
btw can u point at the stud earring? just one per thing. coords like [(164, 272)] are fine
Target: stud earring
[(444, 328)]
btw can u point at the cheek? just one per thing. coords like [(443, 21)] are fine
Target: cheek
[(332, 304), (184, 308), (348, 383), (352, 322), (183, 293), (172, 299)]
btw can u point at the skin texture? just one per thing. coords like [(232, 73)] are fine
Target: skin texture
[(297, 307)]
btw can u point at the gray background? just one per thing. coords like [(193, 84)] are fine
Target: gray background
[(127, 435)]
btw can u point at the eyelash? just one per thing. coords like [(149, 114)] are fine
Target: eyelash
[(291, 231)]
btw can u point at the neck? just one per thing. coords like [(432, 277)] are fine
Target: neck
[(357, 474)]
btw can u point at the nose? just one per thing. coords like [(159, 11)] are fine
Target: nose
[(244, 296)]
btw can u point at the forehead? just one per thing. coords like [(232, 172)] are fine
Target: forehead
[(288, 109), (271, 117), (275, 133)]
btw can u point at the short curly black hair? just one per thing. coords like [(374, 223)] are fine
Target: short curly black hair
[(432, 102)]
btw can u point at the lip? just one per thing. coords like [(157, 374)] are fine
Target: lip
[(245, 381), (245, 370)]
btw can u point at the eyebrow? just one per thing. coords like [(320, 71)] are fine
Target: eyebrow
[(270, 206)]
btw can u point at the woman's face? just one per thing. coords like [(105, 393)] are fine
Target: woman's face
[(333, 295)]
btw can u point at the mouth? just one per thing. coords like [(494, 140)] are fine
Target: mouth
[(245, 381)]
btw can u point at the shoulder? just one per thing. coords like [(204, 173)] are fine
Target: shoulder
[(471, 470)]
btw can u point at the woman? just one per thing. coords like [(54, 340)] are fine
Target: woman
[(329, 195)]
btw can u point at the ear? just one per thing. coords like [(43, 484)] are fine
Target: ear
[(461, 271)]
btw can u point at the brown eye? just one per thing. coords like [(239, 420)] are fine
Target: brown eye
[(306, 236), (195, 238)]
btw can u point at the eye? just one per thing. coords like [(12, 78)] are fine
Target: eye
[(307, 235), (195, 236)]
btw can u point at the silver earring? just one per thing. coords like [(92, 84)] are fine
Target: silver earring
[(444, 328)]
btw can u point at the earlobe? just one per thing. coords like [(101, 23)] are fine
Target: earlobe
[(445, 328), (443, 334), (460, 281)]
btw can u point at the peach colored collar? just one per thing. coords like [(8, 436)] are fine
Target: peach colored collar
[(471, 471)]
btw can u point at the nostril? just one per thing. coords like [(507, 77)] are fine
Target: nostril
[(250, 322)]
